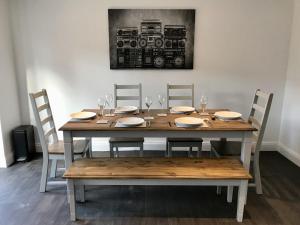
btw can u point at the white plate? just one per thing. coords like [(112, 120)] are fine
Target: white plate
[(188, 121), (125, 109), (131, 121), (83, 115), (182, 109), (228, 115)]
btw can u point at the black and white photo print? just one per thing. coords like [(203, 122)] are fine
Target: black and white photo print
[(151, 38)]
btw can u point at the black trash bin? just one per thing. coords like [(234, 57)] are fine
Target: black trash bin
[(23, 142)]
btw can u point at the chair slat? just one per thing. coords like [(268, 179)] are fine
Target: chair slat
[(180, 97), (43, 107), (262, 94), (127, 86), (46, 120), (180, 86), (255, 122), (259, 108), (49, 133), (127, 98), (39, 94)]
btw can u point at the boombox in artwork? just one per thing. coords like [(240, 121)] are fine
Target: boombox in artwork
[(151, 38)]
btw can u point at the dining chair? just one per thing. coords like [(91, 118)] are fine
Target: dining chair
[(119, 142), (182, 142), (52, 148), (258, 118)]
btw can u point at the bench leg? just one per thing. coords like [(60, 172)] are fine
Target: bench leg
[(111, 150), (71, 198), (243, 187), (229, 194)]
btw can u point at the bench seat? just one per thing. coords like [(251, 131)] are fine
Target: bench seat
[(158, 171)]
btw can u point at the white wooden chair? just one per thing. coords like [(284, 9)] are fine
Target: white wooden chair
[(119, 142), (182, 142), (258, 118), (53, 149)]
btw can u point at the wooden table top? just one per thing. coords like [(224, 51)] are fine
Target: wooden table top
[(158, 123), (157, 168)]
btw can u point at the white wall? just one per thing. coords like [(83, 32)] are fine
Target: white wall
[(9, 111), (239, 46), (290, 127)]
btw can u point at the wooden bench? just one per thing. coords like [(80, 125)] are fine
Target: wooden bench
[(158, 171)]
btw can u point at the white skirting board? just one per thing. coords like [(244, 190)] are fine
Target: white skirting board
[(290, 154)]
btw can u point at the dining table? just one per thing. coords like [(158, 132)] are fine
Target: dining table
[(159, 126)]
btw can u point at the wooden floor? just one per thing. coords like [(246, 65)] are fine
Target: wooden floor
[(22, 204)]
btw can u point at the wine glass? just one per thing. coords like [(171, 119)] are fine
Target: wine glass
[(109, 100), (101, 105), (203, 103), (148, 102), (161, 100)]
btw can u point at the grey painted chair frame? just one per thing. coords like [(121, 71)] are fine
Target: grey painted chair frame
[(190, 144), (117, 98), (258, 135), (177, 97), (45, 137)]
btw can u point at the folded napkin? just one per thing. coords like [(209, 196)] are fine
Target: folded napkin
[(118, 124), (102, 122)]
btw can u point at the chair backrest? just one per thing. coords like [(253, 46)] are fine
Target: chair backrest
[(44, 119), (119, 97), (180, 97), (259, 115)]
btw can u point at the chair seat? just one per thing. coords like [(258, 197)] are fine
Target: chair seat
[(229, 148), (121, 139), (184, 140), (58, 148)]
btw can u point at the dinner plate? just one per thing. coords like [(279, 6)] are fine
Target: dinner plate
[(83, 115), (228, 115), (131, 121), (188, 121), (125, 109), (182, 109)]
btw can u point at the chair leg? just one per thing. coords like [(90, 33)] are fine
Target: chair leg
[(142, 150), (219, 190), (53, 168), (257, 178), (117, 152), (111, 150), (199, 152), (44, 175), (190, 154), (169, 150), (80, 190), (229, 194), (90, 148)]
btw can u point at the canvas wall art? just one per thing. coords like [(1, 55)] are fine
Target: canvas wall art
[(151, 38)]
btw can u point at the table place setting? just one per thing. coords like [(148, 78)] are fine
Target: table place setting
[(182, 110), (127, 122), (228, 116), (82, 117), (190, 122)]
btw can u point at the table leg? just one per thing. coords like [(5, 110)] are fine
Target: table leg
[(69, 151)]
